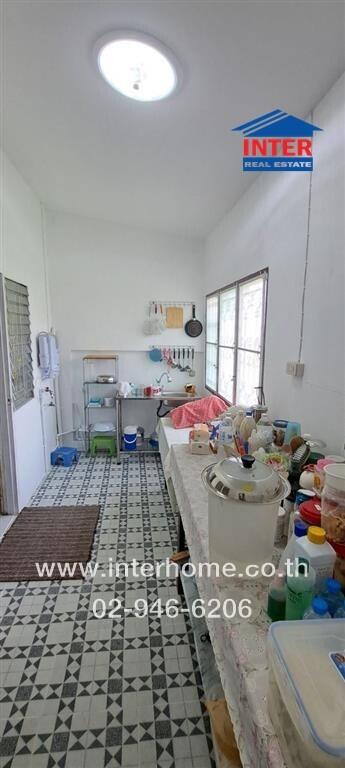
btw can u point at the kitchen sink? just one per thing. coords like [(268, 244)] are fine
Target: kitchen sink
[(176, 395)]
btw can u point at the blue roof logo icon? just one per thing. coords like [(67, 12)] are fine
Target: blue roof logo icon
[(277, 123)]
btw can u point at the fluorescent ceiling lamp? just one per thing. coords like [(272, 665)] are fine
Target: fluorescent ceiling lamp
[(138, 66)]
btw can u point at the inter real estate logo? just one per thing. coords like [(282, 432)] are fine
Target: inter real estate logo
[(277, 142)]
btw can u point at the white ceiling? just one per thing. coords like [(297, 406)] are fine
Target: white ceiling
[(172, 165)]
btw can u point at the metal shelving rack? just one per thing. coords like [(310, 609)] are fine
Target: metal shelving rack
[(87, 386)]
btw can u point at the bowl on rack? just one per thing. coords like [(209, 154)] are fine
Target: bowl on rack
[(104, 378), (109, 402)]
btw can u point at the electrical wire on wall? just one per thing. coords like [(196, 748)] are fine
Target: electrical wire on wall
[(306, 261)]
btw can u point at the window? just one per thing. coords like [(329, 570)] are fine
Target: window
[(19, 342), (235, 334)]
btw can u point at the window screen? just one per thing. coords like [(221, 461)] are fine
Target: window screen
[(19, 342), (235, 334)]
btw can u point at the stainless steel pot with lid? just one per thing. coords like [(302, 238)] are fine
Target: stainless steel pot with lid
[(104, 378), (245, 479)]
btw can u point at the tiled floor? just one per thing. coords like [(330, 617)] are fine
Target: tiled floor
[(81, 692)]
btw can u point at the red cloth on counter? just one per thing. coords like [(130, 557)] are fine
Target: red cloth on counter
[(206, 409)]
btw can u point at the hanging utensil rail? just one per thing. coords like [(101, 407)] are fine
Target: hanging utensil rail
[(172, 346)]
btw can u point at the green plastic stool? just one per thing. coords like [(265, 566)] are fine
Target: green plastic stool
[(103, 443)]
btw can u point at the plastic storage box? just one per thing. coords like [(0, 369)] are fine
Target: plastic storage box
[(306, 696), (64, 456)]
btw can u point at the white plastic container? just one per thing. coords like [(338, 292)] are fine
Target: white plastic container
[(243, 505), (306, 699), (199, 447), (318, 552), (335, 476), (289, 553)]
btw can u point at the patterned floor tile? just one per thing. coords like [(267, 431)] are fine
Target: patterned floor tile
[(86, 692)]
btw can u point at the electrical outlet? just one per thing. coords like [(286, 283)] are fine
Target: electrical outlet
[(299, 370), (295, 369)]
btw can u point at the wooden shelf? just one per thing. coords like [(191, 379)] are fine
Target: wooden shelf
[(99, 407), (103, 383), (101, 357)]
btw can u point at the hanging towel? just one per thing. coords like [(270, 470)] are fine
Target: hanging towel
[(43, 355), (54, 356), (48, 355)]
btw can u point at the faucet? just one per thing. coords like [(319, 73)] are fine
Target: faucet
[(169, 379)]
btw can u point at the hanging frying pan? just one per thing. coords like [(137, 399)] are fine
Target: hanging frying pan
[(193, 327)]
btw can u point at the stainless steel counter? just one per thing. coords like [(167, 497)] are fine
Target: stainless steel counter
[(165, 397)]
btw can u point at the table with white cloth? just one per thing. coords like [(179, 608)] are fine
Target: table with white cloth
[(239, 645)]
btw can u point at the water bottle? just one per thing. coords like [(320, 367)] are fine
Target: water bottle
[(247, 426), (333, 595), (340, 612), (225, 434), (317, 610)]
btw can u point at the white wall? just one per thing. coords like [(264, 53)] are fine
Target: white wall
[(102, 277), (267, 228), (22, 259)]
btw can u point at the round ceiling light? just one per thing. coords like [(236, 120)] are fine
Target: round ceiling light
[(138, 66)]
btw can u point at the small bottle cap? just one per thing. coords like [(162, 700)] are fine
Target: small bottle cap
[(300, 528), (320, 606), (333, 586), (316, 535)]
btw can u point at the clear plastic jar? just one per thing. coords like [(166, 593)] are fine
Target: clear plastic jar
[(333, 503)]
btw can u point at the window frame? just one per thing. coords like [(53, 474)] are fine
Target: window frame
[(19, 340), (264, 273)]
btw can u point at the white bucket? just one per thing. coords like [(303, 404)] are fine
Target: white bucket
[(130, 438), (241, 533)]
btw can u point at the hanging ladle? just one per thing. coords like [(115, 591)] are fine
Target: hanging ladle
[(187, 368), (192, 371)]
